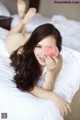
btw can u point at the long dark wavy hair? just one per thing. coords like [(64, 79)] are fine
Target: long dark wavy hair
[(26, 66)]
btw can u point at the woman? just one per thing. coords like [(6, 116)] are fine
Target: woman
[(29, 60)]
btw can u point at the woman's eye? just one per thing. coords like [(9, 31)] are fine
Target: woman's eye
[(38, 46)]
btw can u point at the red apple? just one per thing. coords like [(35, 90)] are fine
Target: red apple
[(51, 51)]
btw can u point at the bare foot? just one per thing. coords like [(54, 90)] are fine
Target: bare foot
[(21, 5), (31, 12)]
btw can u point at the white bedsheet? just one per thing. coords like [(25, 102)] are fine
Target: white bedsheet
[(22, 105), (69, 29)]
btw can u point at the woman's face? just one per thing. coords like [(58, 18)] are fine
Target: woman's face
[(39, 49)]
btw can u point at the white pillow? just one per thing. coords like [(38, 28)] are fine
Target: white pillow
[(15, 20), (70, 31), (68, 81), (3, 10), (3, 51), (3, 35)]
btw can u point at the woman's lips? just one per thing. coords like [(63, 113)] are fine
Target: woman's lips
[(42, 59)]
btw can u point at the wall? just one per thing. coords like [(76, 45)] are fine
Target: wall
[(49, 8), (12, 5)]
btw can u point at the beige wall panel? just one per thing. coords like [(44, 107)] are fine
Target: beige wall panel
[(12, 5), (49, 8)]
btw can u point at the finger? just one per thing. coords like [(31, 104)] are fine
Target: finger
[(47, 62), (69, 108), (62, 112), (66, 111), (50, 62), (55, 59)]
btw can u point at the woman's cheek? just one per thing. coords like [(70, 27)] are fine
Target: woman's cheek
[(37, 52)]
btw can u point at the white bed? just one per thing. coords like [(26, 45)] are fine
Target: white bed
[(22, 105), (69, 29)]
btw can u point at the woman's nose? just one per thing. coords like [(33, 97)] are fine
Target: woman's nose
[(43, 52)]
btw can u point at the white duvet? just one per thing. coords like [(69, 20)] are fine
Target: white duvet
[(23, 106)]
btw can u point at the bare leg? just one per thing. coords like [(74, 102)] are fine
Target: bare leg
[(27, 18), (21, 5), (23, 22), (15, 38)]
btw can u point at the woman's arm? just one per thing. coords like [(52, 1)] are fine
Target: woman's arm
[(42, 93), (49, 81), (60, 103), (52, 74)]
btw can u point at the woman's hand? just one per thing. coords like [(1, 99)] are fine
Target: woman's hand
[(49, 81), (51, 62), (61, 104)]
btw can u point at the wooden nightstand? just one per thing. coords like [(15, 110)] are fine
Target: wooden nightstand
[(5, 22)]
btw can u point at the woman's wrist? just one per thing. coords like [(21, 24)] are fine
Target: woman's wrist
[(49, 78), (49, 81), (48, 84)]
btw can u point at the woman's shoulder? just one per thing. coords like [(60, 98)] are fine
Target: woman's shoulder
[(60, 61), (60, 58)]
